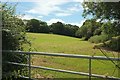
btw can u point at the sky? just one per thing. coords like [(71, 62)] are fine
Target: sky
[(51, 11)]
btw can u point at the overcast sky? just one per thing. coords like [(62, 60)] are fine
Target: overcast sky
[(66, 11)]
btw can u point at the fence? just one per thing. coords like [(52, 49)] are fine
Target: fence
[(90, 58)]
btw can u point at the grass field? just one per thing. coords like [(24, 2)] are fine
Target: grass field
[(68, 45)]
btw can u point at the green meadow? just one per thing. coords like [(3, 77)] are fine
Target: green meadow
[(68, 45)]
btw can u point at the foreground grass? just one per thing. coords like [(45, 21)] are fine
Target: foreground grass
[(69, 45)]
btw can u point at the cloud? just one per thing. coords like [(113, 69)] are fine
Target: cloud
[(70, 10), (48, 0), (63, 14), (46, 7), (40, 16), (78, 1), (54, 20), (76, 7), (28, 17), (78, 24)]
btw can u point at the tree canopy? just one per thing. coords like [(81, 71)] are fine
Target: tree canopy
[(109, 11), (102, 10), (89, 28)]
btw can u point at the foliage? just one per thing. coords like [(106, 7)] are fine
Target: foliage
[(111, 29), (58, 28), (44, 28), (13, 36), (114, 43), (81, 32), (88, 29), (64, 29), (37, 26), (97, 31), (105, 11), (108, 12), (33, 25), (70, 30), (102, 10), (99, 38)]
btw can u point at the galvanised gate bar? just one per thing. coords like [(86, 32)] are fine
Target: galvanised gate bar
[(90, 58)]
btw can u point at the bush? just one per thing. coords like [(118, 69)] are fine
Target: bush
[(99, 38), (99, 45), (13, 37), (114, 43)]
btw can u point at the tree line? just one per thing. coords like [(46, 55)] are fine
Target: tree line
[(60, 28)]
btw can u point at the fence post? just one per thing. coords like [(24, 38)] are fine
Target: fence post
[(90, 69), (29, 57)]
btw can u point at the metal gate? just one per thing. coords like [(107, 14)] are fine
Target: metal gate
[(90, 58)]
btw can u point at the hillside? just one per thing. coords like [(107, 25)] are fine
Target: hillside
[(61, 44), (69, 45)]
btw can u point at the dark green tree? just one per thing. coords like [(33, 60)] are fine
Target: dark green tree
[(70, 30), (110, 28), (37, 26), (88, 29), (33, 25), (13, 37), (44, 28), (58, 28)]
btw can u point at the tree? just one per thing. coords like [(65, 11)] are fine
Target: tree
[(82, 31), (70, 30), (13, 37), (102, 10), (37, 26), (43, 28), (109, 11), (88, 29), (57, 28), (33, 25), (110, 29)]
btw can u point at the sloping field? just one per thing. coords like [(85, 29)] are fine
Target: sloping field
[(68, 45)]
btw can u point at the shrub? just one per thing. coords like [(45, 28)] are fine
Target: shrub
[(99, 38), (97, 46), (114, 43), (13, 37)]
